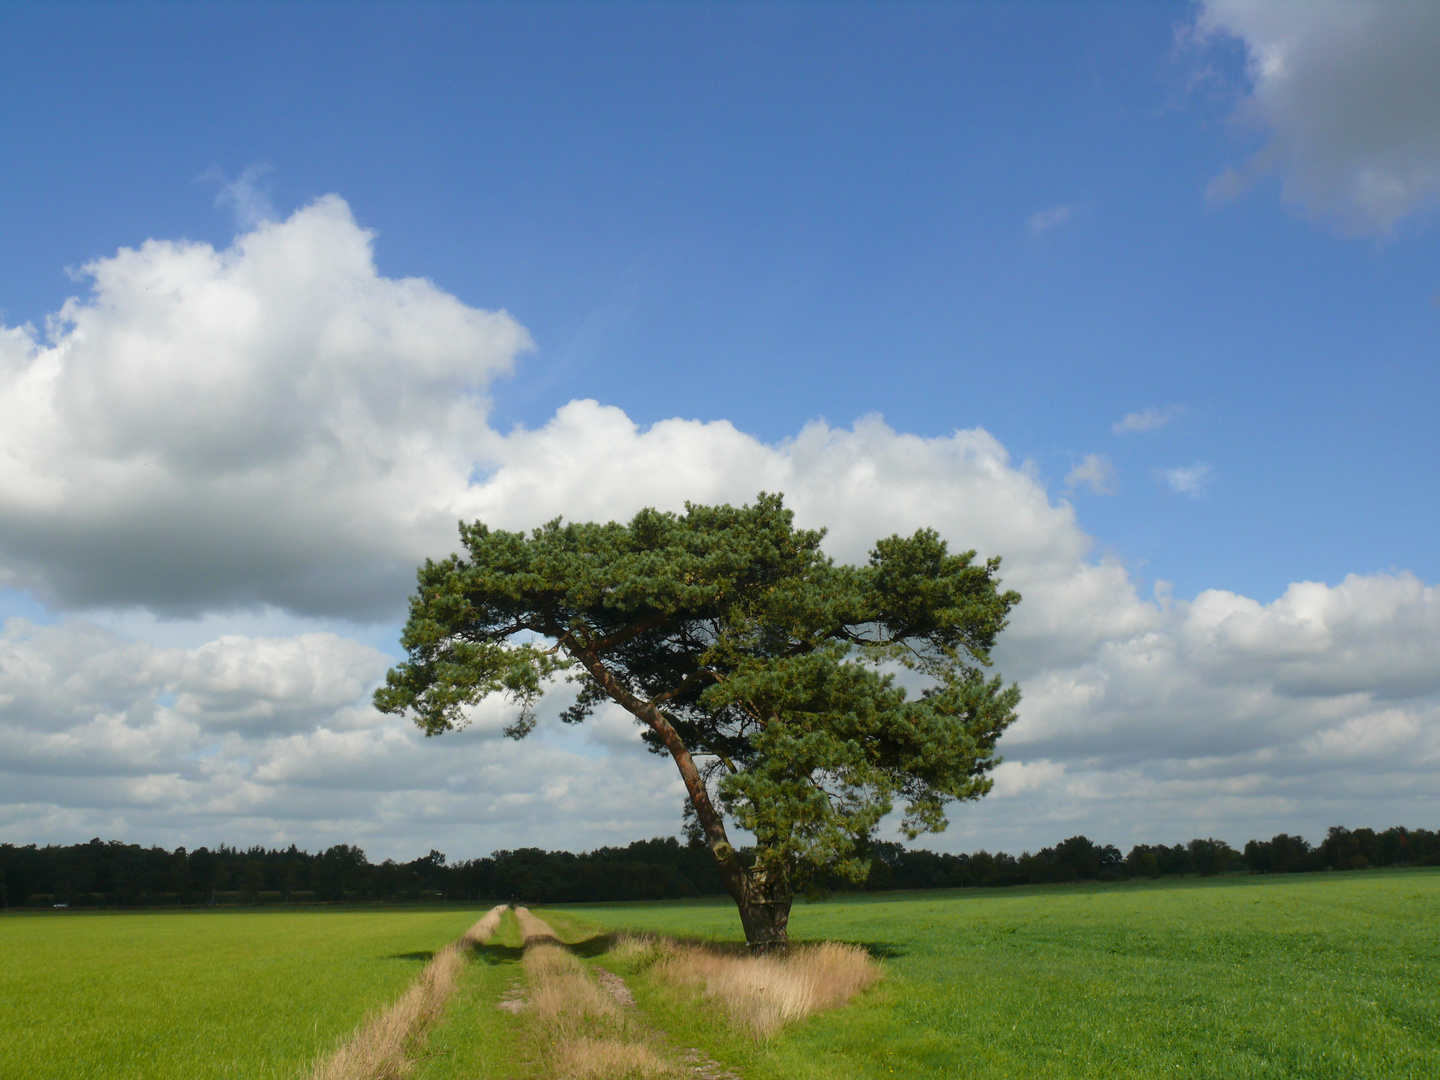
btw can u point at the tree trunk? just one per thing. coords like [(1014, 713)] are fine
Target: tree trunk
[(765, 911), (762, 896)]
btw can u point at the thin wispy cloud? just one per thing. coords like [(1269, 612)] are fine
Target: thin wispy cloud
[(1151, 419), (243, 196), (1191, 480), (1096, 472), (1042, 221)]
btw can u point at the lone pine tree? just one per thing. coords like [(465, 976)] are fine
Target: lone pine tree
[(774, 678)]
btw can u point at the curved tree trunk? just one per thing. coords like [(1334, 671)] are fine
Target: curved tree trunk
[(762, 896)]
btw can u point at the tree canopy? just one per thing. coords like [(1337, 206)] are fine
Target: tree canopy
[(799, 698)]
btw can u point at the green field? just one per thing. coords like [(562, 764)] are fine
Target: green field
[(1325, 975), (199, 995)]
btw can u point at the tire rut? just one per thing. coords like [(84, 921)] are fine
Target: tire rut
[(695, 1060)]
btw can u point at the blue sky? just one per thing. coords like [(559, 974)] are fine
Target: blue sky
[(1011, 217), (773, 213)]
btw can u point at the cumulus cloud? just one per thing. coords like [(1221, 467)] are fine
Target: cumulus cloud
[(277, 423), (1346, 95), (1151, 419), (275, 740), (1217, 715), (1192, 480), (1234, 717), (1096, 472), (272, 423), (1042, 221), (862, 483)]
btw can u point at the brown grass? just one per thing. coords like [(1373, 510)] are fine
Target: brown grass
[(764, 993), (533, 928), (485, 929), (562, 994), (610, 1059), (377, 1050), (583, 1031)]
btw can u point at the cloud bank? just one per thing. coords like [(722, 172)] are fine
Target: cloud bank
[(279, 424)]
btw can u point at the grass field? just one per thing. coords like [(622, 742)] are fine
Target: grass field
[(1326, 975), (199, 995)]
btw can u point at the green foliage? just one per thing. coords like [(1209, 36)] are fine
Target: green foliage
[(740, 644)]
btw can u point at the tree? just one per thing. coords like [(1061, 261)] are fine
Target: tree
[(1210, 856), (1282, 854), (774, 678)]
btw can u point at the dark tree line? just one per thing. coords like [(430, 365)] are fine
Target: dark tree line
[(113, 874), (1081, 859)]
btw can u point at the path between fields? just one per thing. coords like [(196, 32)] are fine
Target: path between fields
[(377, 1050), (627, 1036), (695, 1059)]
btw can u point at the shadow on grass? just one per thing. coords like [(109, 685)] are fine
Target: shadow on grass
[(597, 945), (498, 954), (880, 950), (490, 954), (600, 944)]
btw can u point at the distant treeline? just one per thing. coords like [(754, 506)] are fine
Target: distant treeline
[(1080, 859), (113, 874)]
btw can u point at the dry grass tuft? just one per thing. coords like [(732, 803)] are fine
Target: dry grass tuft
[(641, 949), (562, 994), (533, 929), (584, 1030), (609, 1059), (377, 1049), (485, 929), (766, 992)]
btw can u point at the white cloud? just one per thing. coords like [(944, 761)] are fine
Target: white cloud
[(1042, 221), (327, 443), (1191, 480), (1151, 419), (1236, 718), (1218, 715), (1094, 471), (1347, 95), (274, 423), (275, 740)]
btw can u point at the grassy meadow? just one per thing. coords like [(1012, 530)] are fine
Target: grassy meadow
[(1321, 975), (199, 995), (1325, 975)]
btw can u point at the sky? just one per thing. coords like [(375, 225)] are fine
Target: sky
[(1141, 297)]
